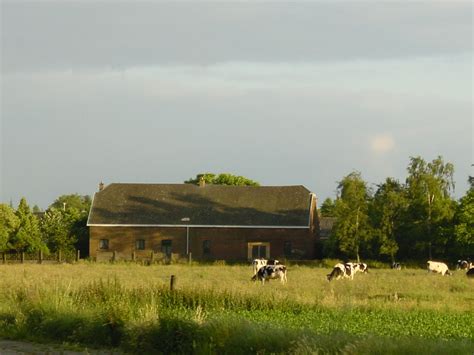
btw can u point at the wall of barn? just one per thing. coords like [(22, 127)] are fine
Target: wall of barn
[(224, 243)]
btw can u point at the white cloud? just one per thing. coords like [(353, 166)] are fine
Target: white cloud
[(382, 143)]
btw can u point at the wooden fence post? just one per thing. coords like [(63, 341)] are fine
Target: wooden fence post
[(152, 257), (172, 282), (114, 256), (40, 257), (59, 256), (78, 255), (190, 258), (134, 256), (4, 257), (22, 257)]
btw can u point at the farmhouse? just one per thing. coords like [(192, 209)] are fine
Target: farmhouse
[(213, 222)]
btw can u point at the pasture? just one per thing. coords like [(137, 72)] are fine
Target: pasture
[(216, 309)]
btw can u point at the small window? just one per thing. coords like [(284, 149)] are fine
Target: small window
[(166, 247), (104, 244), (287, 250), (206, 247), (140, 244)]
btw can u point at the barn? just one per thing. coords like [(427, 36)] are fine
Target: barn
[(212, 222)]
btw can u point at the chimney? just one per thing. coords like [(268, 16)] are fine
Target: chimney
[(101, 186), (202, 182)]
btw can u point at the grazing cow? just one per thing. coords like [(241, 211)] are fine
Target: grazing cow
[(396, 266), (268, 272), (437, 267), (470, 272), (346, 270), (464, 265), (258, 263), (362, 267)]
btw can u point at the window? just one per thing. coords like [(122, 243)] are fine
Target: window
[(104, 244), (287, 248), (166, 247), (206, 247), (256, 250), (140, 244)]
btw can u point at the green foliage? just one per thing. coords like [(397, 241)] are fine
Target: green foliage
[(387, 210), (352, 230), (431, 209), (9, 223), (464, 227), (56, 226), (222, 179), (76, 202), (327, 208), (27, 237)]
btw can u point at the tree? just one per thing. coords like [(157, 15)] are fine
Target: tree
[(74, 210), (352, 229), (464, 224), (222, 179), (72, 201), (8, 224), (27, 237), (56, 227), (387, 210), (327, 208), (431, 208)]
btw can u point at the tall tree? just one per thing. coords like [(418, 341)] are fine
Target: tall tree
[(222, 179), (56, 226), (27, 236), (464, 224), (8, 224), (352, 230), (431, 208), (387, 210)]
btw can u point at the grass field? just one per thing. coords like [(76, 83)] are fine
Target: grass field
[(215, 309)]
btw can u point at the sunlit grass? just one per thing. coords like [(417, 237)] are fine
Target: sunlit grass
[(126, 304)]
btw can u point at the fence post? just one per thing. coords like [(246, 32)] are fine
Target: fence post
[(152, 257), (4, 257), (40, 257), (114, 256), (22, 257), (78, 255), (134, 256), (59, 256), (190, 258), (172, 282)]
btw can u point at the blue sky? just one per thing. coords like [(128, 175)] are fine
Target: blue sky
[(283, 93)]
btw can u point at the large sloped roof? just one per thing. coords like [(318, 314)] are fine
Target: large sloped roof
[(210, 205)]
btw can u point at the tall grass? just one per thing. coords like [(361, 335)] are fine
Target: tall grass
[(216, 309)]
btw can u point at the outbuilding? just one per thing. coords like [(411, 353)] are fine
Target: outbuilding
[(213, 222)]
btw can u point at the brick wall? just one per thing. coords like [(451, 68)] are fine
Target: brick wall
[(225, 243)]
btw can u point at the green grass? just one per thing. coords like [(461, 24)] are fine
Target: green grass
[(216, 309)]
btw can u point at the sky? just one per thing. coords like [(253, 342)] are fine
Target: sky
[(284, 93)]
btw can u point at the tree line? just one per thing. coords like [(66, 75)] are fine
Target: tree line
[(416, 219), (62, 227)]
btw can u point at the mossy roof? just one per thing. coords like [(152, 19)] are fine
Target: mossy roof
[(210, 205)]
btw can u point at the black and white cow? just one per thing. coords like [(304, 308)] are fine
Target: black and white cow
[(464, 264), (269, 272), (470, 272), (346, 270), (437, 267), (258, 263), (396, 266), (362, 268)]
